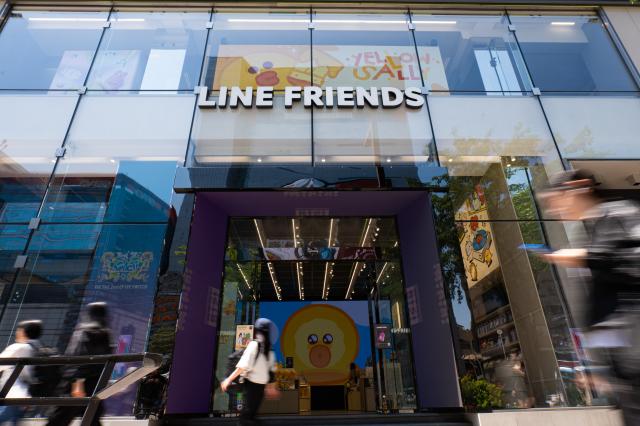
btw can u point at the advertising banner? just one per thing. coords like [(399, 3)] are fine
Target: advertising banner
[(363, 66)]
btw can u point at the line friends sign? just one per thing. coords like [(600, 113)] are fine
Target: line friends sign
[(313, 96)]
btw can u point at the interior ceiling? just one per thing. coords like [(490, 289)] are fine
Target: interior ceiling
[(338, 274)]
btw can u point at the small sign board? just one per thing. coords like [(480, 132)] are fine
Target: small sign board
[(244, 335), (382, 336)]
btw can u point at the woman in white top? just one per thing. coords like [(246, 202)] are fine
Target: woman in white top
[(27, 335), (256, 365)]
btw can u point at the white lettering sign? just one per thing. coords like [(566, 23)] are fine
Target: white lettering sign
[(313, 97)]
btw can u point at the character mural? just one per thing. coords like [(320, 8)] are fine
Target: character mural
[(321, 340), (364, 66), (476, 237)]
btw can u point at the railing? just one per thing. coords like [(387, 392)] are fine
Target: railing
[(150, 363)]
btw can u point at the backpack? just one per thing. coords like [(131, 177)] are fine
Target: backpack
[(232, 361), (45, 378)]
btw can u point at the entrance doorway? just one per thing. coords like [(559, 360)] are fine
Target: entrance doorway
[(334, 288)]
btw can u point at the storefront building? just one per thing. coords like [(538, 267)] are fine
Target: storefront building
[(364, 175)]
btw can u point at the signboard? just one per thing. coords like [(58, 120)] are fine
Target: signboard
[(383, 336), (244, 335)]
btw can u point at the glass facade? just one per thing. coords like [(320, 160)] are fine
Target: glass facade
[(99, 109)]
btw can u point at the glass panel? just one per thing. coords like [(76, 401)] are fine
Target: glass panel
[(48, 50), (150, 51), (122, 152), (251, 49), (476, 53), (381, 136), (358, 49), (487, 140), (32, 127), (274, 135), (397, 361), (512, 327), (595, 127), (499, 151), (571, 53), (315, 278), (13, 240), (72, 265)]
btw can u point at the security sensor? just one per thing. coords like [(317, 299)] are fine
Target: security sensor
[(634, 179)]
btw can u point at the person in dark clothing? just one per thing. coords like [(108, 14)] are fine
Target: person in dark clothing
[(613, 256), (256, 366), (91, 337)]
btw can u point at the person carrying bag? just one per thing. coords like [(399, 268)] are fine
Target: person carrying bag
[(256, 367)]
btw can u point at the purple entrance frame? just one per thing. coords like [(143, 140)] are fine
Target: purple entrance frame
[(197, 331)]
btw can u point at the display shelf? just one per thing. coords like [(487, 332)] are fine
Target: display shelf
[(509, 324), (493, 313)]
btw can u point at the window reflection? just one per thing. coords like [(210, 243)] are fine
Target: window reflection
[(571, 53), (476, 53), (150, 51), (48, 50), (32, 127), (351, 49), (254, 49)]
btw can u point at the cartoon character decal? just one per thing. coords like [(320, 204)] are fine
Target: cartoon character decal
[(323, 341), (476, 237)]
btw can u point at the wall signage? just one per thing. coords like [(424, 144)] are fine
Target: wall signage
[(313, 97)]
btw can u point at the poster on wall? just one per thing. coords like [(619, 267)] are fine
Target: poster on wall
[(476, 237), (244, 335), (115, 69), (72, 70), (163, 70), (382, 336), (363, 66)]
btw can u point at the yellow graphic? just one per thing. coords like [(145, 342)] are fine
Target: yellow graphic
[(323, 341), (364, 66)]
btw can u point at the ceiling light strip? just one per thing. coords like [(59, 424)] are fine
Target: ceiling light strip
[(272, 272), (382, 272)]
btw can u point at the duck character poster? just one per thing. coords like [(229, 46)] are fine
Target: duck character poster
[(321, 339)]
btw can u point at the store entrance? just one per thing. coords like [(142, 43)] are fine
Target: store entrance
[(334, 288)]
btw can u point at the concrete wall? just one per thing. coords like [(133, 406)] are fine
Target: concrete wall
[(604, 416)]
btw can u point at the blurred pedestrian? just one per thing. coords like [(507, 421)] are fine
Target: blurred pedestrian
[(256, 367), (27, 337), (91, 337), (612, 253)]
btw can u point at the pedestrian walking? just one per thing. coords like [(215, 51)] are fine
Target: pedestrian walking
[(612, 253), (91, 337), (27, 337), (255, 368)]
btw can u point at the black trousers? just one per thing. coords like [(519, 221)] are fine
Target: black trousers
[(253, 393), (63, 416)]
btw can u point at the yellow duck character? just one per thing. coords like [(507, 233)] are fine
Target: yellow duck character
[(323, 341)]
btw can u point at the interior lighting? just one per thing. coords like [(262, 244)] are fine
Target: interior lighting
[(357, 268), (272, 272), (325, 287), (267, 20), (298, 265), (563, 23), (435, 22), (382, 272), (299, 275), (246, 281), (60, 19)]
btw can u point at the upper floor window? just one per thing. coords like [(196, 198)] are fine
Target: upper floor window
[(150, 51), (48, 50), (472, 53), (569, 53)]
